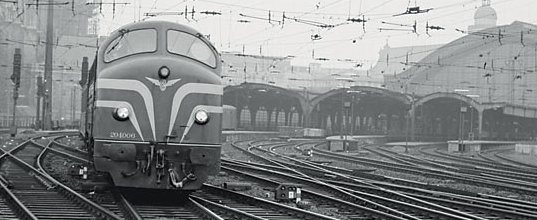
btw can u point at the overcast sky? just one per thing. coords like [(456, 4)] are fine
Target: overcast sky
[(346, 40)]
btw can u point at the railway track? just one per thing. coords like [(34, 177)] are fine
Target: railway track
[(35, 195), (251, 206), (467, 206), (114, 200), (404, 201), (74, 153), (477, 162), (403, 185), (491, 172), (187, 209), (496, 156), (473, 206), (454, 175), (409, 208), (478, 206), (361, 204), (193, 207), (5, 211), (63, 155)]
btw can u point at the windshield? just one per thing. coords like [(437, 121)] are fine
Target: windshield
[(131, 42), (191, 46)]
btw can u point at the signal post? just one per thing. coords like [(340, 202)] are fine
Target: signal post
[(16, 79), (40, 94)]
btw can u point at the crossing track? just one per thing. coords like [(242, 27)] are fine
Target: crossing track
[(454, 175), (476, 205), (486, 170), (316, 189), (109, 199), (187, 208), (488, 206), (113, 199), (36, 195), (496, 165), (195, 206), (248, 206), (496, 156), (355, 196)]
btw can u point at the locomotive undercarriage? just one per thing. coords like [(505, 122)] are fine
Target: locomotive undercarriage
[(157, 165)]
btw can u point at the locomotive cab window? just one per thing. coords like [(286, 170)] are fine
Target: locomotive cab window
[(190, 46), (131, 42)]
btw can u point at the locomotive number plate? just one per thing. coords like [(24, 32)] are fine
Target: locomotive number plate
[(114, 134)]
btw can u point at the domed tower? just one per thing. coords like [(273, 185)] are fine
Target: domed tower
[(484, 17)]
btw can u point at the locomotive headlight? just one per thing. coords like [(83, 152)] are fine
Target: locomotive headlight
[(163, 72), (121, 114), (201, 117)]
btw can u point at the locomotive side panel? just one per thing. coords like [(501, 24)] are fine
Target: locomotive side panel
[(88, 98)]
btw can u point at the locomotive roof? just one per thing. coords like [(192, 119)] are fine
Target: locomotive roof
[(157, 24)]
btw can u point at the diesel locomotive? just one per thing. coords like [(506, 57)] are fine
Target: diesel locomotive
[(154, 107)]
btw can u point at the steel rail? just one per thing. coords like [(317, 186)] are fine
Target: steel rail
[(66, 191), (358, 203), (436, 173), (409, 200), (237, 214), (280, 208), (207, 213), (6, 193), (128, 210)]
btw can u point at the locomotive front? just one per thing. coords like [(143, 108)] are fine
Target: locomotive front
[(158, 108)]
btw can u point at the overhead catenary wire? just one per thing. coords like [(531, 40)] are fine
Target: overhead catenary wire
[(260, 10), (326, 41), (269, 39)]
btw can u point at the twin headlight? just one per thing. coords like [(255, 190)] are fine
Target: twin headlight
[(201, 117), (121, 114)]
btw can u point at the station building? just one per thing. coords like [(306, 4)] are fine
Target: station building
[(478, 87), (24, 26), (489, 77)]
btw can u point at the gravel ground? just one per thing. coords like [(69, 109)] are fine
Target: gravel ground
[(42, 141), (231, 152), (8, 143), (58, 167), (264, 192), (73, 141), (462, 186), (434, 181)]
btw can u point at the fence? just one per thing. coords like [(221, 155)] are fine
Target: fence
[(30, 122), (21, 122)]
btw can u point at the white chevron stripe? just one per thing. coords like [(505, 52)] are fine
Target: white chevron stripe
[(207, 108), (191, 88), (132, 85), (120, 104)]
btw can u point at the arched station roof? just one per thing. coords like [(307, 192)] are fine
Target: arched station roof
[(363, 89), (450, 95), (265, 87), (273, 93)]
